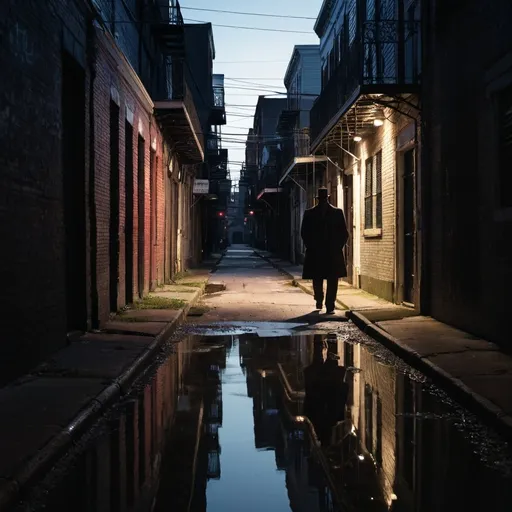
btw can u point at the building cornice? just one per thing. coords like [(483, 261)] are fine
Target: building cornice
[(323, 17)]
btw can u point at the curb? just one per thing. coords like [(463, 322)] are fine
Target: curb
[(475, 402), (12, 488), (296, 283)]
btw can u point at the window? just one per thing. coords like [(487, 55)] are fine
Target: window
[(373, 193), (378, 190), (505, 147), (368, 195)]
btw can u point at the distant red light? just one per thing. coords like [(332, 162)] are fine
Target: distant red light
[(251, 213)]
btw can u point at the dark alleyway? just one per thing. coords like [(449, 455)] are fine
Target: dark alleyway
[(224, 421)]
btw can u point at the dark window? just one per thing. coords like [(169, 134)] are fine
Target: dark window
[(368, 195), (505, 147), (368, 418), (378, 190)]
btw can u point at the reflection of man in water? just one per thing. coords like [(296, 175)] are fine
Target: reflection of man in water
[(326, 391)]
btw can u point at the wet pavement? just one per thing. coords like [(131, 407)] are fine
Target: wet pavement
[(300, 423), (276, 413)]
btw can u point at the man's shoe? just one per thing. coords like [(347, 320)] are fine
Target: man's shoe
[(319, 304), (330, 310)]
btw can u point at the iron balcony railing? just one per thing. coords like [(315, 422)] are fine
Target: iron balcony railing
[(297, 144), (175, 16), (162, 11), (177, 88), (386, 53)]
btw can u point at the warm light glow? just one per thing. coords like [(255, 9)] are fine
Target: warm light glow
[(360, 457), (221, 214), (357, 138), (300, 419), (378, 122), (394, 497)]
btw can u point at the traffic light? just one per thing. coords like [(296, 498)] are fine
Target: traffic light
[(251, 212), (221, 214)]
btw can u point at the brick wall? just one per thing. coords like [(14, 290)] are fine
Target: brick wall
[(467, 53), (32, 270), (41, 42), (115, 78), (377, 253)]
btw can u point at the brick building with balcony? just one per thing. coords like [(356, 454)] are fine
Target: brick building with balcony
[(98, 212), (262, 161), (298, 168), (366, 122)]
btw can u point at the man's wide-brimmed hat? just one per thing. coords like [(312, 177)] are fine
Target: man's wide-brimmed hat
[(323, 193)]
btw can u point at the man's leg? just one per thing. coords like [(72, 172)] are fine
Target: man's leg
[(332, 291), (318, 290)]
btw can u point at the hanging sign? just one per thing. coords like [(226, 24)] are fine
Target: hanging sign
[(201, 187)]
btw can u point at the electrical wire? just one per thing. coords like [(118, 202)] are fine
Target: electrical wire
[(253, 28), (248, 13), (250, 61)]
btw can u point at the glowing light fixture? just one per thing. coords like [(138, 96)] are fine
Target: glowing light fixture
[(379, 118), (360, 457), (357, 138)]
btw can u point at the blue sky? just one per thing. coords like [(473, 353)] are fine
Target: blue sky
[(252, 56)]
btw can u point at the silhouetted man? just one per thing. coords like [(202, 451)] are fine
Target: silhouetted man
[(326, 390), (324, 233)]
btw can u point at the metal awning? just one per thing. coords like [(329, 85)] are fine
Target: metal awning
[(269, 191), (300, 160), (181, 124)]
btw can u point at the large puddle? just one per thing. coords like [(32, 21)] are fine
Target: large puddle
[(292, 423)]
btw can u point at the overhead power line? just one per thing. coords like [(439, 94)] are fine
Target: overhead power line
[(249, 61), (266, 15), (254, 28)]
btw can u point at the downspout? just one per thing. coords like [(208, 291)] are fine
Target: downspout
[(93, 228)]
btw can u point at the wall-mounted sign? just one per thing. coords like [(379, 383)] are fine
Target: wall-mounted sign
[(201, 187)]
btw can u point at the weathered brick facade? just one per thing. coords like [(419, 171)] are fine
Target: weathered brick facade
[(74, 117), (468, 264), (379, 263), (32, 303)]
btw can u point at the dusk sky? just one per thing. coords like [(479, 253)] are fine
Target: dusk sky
[(254, 62)]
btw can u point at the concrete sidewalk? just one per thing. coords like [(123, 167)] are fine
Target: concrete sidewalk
[(473, 370), (46, 411)]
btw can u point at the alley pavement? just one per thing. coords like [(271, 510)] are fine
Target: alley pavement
[(258, 292)]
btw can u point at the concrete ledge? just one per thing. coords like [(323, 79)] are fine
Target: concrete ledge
[(12, 487), (475, 402)]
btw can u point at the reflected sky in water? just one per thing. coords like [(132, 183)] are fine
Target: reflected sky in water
[(250, 480)]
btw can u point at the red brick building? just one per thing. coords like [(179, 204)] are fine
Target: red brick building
[(101, 142)]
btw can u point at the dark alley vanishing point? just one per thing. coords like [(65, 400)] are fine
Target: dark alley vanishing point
[(257, 404)]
